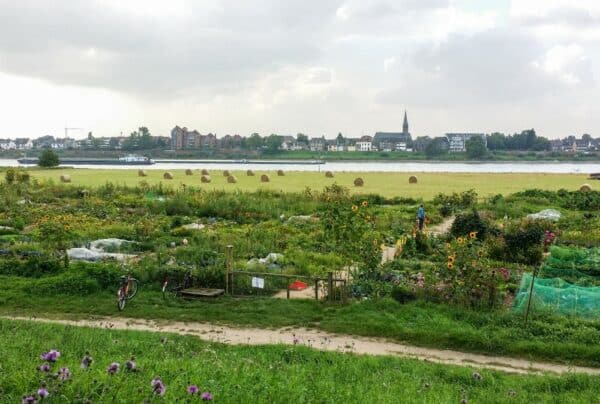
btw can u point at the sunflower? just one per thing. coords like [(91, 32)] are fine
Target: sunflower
[(365, 204), (450, 265), (354, 208), (460, 240), (448, 246), (451, 258), (480, 253), (473, 235)]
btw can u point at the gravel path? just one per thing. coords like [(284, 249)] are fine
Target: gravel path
[(322, 341)]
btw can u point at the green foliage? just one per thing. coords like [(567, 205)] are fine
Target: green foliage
[(524, 241), (48, 159), (476, 148), (469, 222), (403, 294), (437, 147)]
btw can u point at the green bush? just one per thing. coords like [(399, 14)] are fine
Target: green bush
[(403, 294), (524, 241), (469, 222), (66, 283), (30, 267)]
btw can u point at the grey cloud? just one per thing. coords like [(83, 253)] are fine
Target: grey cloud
[(494, 66), (228, 45), (568, 16)]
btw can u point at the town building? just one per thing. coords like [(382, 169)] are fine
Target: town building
[(393, 141), (458, 141), (364, 144), (317, 144)]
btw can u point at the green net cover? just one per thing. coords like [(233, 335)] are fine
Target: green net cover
[(554, 295), (568, 283)]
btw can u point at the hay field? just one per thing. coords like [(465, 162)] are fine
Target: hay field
[(386, 184)]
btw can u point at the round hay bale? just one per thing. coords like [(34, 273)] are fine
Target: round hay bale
[(226, 173), (142, 173), (168, 176), (265, 178), (359, 182), (280, 173), (204, 172), (250, 173), (328, 174), (231, 179), (585, 188), (189, 172), (205, 179), (412, 179), (65, 178)]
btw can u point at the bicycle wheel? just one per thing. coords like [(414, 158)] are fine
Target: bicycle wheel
[(133, 288), (121, 300)]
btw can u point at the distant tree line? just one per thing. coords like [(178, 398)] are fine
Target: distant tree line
[(527, 140)]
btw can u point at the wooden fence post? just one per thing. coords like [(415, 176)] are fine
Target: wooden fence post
[(535, 271), (228, 268), (330, 286)]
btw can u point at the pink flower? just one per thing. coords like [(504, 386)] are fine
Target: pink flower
[(206, 396)]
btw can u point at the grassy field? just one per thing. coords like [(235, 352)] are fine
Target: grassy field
[(262, 374), (553, 339), (386, 184)]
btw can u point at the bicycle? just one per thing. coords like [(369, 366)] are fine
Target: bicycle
[(127, 291), (171, 289)]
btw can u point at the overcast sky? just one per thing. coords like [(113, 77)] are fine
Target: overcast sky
[(288, 66)]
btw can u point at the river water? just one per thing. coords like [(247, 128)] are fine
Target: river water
[(369, 166)]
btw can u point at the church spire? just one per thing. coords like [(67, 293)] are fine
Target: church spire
[(405, 124)]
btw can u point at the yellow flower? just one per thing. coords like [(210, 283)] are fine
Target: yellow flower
[(354, 208), (451, 258), (474, 263), (382, 246), (473, 235), (365, 204), (480, 253), (460, 240), (450, 265), (448, 246)]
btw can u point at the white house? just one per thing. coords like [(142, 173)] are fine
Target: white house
[(23, 144), (365, 143), (7, 144)]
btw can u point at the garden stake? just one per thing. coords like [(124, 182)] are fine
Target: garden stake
[(228, 266), (535, 271)]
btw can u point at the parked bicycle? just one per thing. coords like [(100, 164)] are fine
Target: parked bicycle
[(171, 288), (127, 291)]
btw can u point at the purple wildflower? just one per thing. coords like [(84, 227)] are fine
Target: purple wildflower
[(44, 368), (50, 356), (206, 396), (192, 389), (64, 374), (43, 392), (130, 365), (158, 387), (113, 368), (86, 361), (28, 400)]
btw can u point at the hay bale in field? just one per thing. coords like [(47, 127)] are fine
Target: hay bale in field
[(280, 173), (585, 188), (65, 178), (250, 173), (226, 173), (204, 172), (231, 179), (359, 182), (265, 178), (328, 174), (205, 179), (142, 173), (168, 176), (189, 172), (412, 179)]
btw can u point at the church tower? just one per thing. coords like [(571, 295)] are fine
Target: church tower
[(405, 125)]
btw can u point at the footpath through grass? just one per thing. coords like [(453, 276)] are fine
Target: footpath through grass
[(262, 374), (385, 184), (551, 339)]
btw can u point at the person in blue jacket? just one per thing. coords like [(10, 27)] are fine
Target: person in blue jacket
[(421, 216)]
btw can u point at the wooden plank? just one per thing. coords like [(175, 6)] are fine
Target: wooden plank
[(204, 292)]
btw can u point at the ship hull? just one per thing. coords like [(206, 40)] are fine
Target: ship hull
[(72, 161)]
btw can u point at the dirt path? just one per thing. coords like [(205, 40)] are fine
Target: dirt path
[(443, 227), (322, 341)]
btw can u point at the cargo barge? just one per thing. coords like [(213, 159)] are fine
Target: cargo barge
[(127, 160)]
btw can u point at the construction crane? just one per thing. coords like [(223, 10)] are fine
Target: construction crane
[(68, 129)]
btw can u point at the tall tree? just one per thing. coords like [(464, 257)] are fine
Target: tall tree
[(476, 147)]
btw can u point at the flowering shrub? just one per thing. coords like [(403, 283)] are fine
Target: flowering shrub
[(468, 278)]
